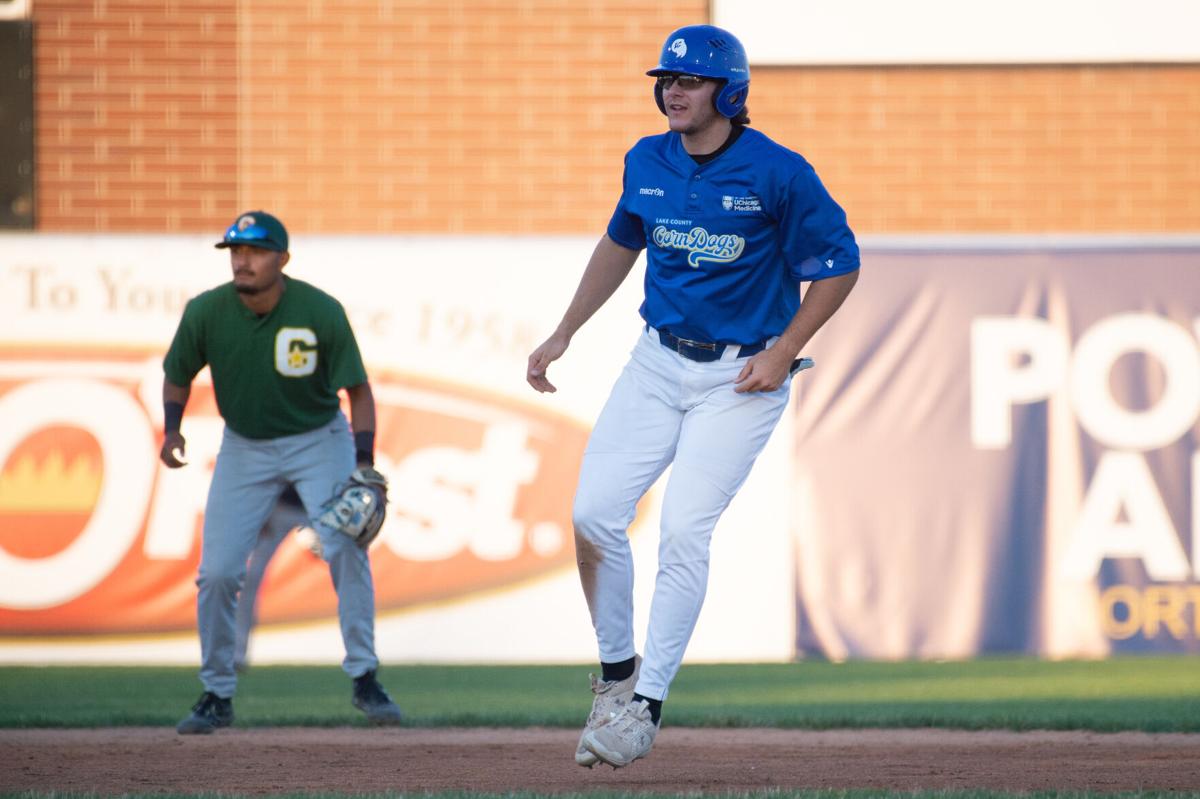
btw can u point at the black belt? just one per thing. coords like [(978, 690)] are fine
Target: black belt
[(704, 351)]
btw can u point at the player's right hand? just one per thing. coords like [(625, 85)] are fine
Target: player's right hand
[(173, 449), (541, 358)]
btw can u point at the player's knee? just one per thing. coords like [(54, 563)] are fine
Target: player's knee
[(348, 562), (596, 520), (220, 580), (683, 542), (336, 546), (683, 550)]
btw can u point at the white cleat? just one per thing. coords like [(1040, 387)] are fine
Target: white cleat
[(611, 697), (626, 738)]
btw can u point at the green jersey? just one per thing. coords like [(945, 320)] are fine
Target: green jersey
[(273, 376)]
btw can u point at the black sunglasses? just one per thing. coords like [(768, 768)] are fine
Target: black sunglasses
[(686, 82)]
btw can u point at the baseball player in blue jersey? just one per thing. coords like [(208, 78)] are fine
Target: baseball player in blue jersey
[(278, 350), (732, 224)]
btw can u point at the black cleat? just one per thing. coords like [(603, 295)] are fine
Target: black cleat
[(209, 713), (370, 698)]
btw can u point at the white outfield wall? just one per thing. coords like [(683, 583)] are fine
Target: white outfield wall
[(445, 325), (778, 32)]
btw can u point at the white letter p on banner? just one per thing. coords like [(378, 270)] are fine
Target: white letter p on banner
[(1013, 360)]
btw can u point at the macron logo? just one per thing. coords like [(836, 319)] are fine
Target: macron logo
[(655, 192)]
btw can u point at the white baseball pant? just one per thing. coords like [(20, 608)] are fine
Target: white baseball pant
[(664, 410)]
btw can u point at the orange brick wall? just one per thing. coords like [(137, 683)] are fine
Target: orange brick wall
[(135, 109), (481, 116)]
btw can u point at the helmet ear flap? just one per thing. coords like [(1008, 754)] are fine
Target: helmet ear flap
[(731, 98), (658, 98)]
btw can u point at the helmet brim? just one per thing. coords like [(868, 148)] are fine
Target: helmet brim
[(261, 244), (661, 70)]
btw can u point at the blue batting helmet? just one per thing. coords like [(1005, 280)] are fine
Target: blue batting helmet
[(709, 52)]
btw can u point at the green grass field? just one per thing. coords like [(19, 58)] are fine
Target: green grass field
[(816, 794), (1153, 694), (783, 794)]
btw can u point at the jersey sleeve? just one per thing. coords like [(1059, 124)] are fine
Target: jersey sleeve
[(187, 354), (625, 227), (816, 239), (344, 358)]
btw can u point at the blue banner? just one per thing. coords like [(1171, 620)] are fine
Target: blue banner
[(997, 452)]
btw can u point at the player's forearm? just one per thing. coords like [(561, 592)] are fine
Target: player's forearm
[(174, 399), (362, 407), (362, 422), (821, 302), (606, 270), (174, 393)]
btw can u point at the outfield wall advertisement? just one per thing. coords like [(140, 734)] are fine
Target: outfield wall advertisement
[(99, 543), (999, 454), (995, 453)]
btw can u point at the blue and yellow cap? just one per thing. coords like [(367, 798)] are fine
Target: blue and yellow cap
[(256, 229)]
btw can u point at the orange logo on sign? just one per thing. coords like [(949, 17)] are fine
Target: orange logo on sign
[(97, 537)]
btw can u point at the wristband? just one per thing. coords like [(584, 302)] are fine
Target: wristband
[(364, 447), (172, 416)]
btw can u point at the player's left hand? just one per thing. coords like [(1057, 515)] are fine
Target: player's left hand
[(376, 481), (358, 507), (766, 371)]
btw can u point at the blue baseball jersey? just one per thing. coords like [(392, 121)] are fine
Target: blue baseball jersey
[(728, 241)]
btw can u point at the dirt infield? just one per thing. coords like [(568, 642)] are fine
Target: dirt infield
[(359, 760)]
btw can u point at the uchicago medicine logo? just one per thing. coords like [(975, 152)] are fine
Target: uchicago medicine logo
[(97, 537)]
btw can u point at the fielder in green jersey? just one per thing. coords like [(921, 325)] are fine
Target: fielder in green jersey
[(279, 350)]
